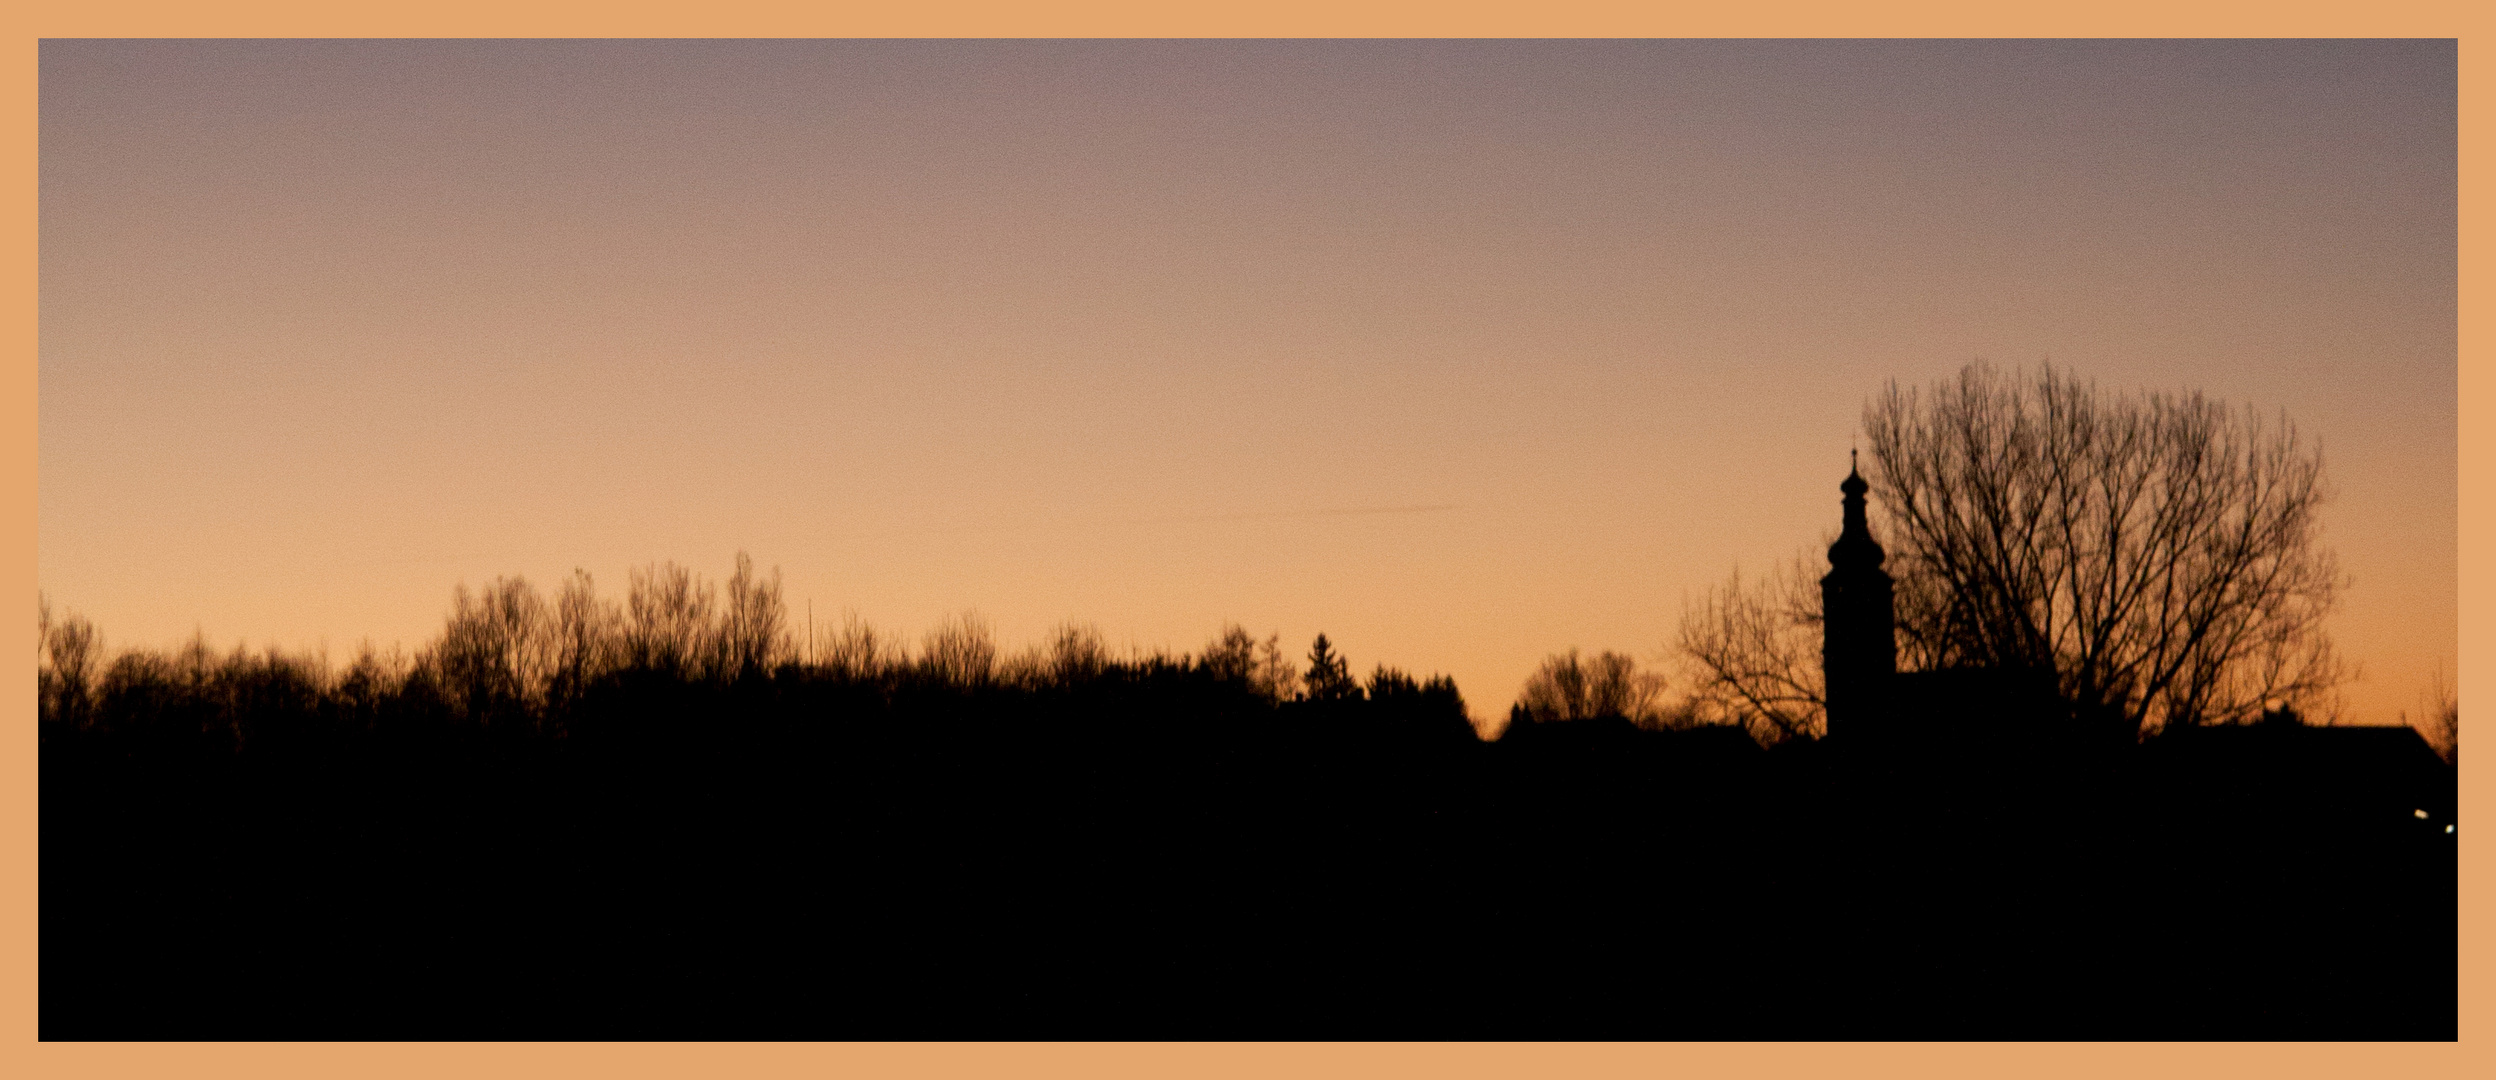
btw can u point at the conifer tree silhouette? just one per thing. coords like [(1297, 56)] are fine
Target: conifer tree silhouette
[(1329, 678)]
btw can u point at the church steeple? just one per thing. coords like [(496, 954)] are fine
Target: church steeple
[(1855, 546), (1858, 645)]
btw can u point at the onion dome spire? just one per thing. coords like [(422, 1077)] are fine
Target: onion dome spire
[(1855, 546)]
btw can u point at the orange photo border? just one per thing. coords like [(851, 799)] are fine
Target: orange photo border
[(21, 1054)]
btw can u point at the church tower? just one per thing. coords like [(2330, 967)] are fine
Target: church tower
[(1858, 645)]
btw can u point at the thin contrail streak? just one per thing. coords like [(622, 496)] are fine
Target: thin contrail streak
[(1278, 515)]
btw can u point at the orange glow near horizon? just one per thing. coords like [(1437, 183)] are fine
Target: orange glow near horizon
[(1462, 353)]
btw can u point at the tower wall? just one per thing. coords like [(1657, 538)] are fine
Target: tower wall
[(1859, 644), (1858, 648)]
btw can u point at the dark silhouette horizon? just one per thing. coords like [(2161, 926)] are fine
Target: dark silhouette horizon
[(576, 819)]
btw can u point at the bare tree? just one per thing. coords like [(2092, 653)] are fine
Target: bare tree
[(2159, 553), (1275, 675), (497, 650), (752, 632), (2440, 716), (1753, 652), (69, 653), (1235, 654), (588, 637), (667, 620), (1231, 655), (1608, 684), (1073, 655), (859, 652), (960, 651), (371, 678)]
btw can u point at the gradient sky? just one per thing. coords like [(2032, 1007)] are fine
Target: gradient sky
[(1460, 352)]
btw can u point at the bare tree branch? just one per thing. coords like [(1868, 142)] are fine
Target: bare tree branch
[(2160, 553)]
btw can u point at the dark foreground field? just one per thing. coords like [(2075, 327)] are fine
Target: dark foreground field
[(1167, 857)]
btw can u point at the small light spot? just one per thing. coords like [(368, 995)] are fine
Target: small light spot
[(2448, 828), (2421, 814)]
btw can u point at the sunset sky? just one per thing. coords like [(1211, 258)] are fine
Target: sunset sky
[(1463, 353)]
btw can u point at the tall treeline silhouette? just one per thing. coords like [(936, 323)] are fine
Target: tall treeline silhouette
[(512, 661), (675, 814)]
